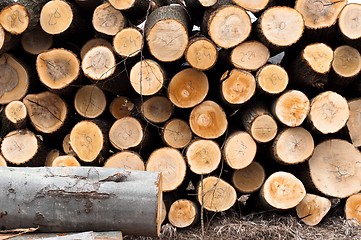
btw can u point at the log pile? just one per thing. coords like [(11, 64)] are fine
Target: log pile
[(226, 98)]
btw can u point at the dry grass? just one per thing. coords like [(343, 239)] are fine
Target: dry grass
[(263, 227)]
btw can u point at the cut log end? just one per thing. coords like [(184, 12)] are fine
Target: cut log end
[(90, 101), (335, 168), (239, 150), (188, 88), (253, 6), (349, 23), (237, 86), (65, 161), (264, 128), (183, 213), (208, 120), (52, 154), (108, 20), (201, 53), (16, 112), (126, 159), (19, 147), (250, 55), (123, 4), (147, 77), (347, 61), (56, 17), (157, 109), (2, 161), (57, 68), (293, 146), (354, 122), (66, 145), (312, 209), (36, 41), (292, 108), (171, 164), (177, 133), (215, 194), (47, 111), (207, 3), (319, 57), (15, 19), (94, 42), (126, 133), (272, 79), (329, 112), (121, 107), (283, 190), (353, 208), (281, 26), (203, 156), (319, 14), (14, 79), (87, 140), (128, 42), (99, 63), (249, 179), (229, 25)]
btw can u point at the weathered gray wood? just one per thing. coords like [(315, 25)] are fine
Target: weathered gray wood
[(114, 235), (81, 199)]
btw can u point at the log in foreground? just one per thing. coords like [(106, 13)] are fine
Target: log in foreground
[(353, 208), (312, 209), (113, 235), (78, 199)]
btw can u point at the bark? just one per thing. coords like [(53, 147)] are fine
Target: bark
[(354, 122), (114, 235), (312, 209), (89, 5), (86, 191)]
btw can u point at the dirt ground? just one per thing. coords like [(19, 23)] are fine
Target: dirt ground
[(265, 226)]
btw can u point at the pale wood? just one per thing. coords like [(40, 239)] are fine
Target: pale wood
[(253, 6), (291, 108), (215, 194), (36, 41), (56, 16), (228, 25), (354, 122), (353, 208), (203, 156), (237, 86), (108, 20), (319, 14), (312, 209), (177, 133), (201, 53), (349, 23), (292, 146), (282, 190), (50, 157), (239, 150), (126, 132), (128, 42), (249, 179), (2, 161), (47, 111), (183, 213), (157, 109), (121, 107), (90, 235), (319, 56), (208, 120), (22, 147), (88, 192), (93, 43), (147, 77), (66, 145), (188, 88), (171, 164), (272, 79), (14, 79), (329, 112), (90, 101), (15, 18), (126, 159), (259, 122), (335, 168), (280, 27), (65, 161), (250, 55), (163, 212), (166, 31), (99, 63), (57, 68), (87, 140), (16, 113)]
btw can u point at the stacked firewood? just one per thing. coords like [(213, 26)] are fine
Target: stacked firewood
[(225, 98)]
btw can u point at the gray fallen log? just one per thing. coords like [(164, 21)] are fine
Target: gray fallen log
[(116, 235), (81, 199)]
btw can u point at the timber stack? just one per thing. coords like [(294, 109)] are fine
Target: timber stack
[(226, 98)]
